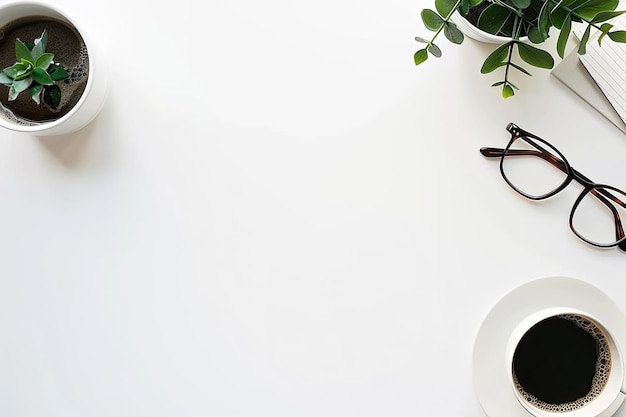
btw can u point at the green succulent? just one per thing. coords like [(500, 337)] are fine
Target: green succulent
[(516, 19), (34, 71)]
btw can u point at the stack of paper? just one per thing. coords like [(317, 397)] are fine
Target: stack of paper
[(607, 66), (599, 76)]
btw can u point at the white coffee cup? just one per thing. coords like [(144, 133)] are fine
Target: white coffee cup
[(612, 394)]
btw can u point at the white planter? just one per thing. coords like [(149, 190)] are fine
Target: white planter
[(94, 95), (473, 32)]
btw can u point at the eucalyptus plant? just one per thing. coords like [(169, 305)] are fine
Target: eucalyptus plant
[(515, 20), (35, 71)]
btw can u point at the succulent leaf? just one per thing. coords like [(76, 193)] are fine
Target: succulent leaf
[(35, 93), (58, 73), (52, 96), (40, 46), (22, 52), (22, 85), (42, 77), (44, 61)]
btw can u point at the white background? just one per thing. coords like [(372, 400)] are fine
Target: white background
[(278, 214)]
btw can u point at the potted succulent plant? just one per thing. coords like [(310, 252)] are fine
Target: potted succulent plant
[(52, 81), (519, 25), (36, 72)]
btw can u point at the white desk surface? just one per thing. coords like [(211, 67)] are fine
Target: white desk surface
[(278, 214)]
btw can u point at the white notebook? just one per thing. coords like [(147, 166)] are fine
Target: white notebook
[(573, 73), (607, 66)]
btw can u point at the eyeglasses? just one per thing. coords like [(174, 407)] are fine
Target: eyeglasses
[(537, 170)]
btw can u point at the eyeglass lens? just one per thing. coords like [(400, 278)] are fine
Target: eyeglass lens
[(533, 168), (597, 216)]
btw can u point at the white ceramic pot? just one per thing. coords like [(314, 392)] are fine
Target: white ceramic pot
[(94, 95), (473, 32)]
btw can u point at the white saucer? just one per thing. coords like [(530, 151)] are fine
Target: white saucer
[(491, 378)]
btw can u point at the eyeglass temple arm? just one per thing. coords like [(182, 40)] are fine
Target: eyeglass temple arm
[(558, 163), (498, 152)]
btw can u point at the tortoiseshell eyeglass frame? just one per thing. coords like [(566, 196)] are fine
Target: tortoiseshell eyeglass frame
[(601, 191)]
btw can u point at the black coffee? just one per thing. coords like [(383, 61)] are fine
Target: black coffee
[(562, 363)]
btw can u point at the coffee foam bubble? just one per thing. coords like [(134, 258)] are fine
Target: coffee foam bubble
[(603, 369)]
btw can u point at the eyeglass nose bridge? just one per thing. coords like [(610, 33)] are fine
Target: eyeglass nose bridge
[(581, 179)]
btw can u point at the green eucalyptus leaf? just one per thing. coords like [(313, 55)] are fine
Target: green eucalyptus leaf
[(507, 91), (52, 96), (564, 36), (604, 29), (494, 60), (590, 9), (464, 7), (535, 56), (521, 4), (604, 16), (421, 40), (557, 17), (571, 4), (517, 67), (35, 93), (432, 20), (493, 18), (420, 56), (22, 52), (434, 50), (21, 85), (499, 83), (44, 61), (474, 3), (58, 73), (582, 46), (543, 21), (42, 77), (452, 32), (535, 36), (445, 7), (618, 36)]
